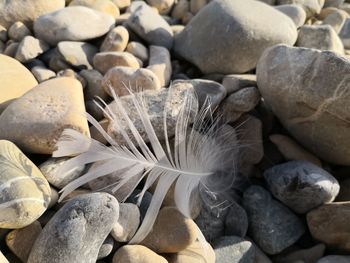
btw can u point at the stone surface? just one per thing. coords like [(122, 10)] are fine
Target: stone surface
[(160, 64), (77, 231), (150, 26), (29, 48), (42, 73), (26, 11), (138, 50), (271, 225), (128, 222), (36, 120), (15, 79), (84, 24), (163, 6), (50, 170), (301, 185), (236, 222), (335, 259), (93, 85), (105, 6), (311, 7), (106, 248), (117, 77), (232, 249), (116, 40), (25, 193), (122, 4), (137, 253), (171, 233), (312, 255), (208, 41), (309, 97), (336, 20), (18, 31), (77, 54), (329, 224), (180, 9), (344, 34), (235, 82), (293, 151), (20, 241), (105, 61), (295, 12), (321, 37)]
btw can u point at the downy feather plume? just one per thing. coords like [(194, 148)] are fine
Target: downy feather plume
[(201, 148)]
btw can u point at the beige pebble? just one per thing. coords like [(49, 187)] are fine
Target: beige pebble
[(160, 64), (105, 6), (137, 253), (104, 61), (116, 40), (138, 50), (18, 31)]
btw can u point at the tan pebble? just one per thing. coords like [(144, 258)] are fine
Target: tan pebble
[(116, 40), (104, 61), (138, 50), (180, 9), (105, 6), (18, 31), (137, 253), (160, 64)]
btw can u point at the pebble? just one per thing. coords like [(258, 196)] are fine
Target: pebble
[(41, 115), (335, 259), (137, 253), (239, 45), (232, 249), (77, 54), (18, 31), (11, 48), (180, 9), (301, 185), (105, 61), (150, 26), (3, 259), (196, 5), (106, 248), (344, 34), (235, 82), (163, 6), (15, 79), (20, 241), (322, 37), (118, 77), (138, 50), (291, 150), (25, 193), (236, 222), (336, 20), (93, 87), (312, 254), (122, 4), (295, 12), (26, 11), (312, 118), (128, 222), (50, 170), (160, 64), (84, 24), (145, 202), (116, 40), (105, 6), (171, 233), (77, 231), (311, 7), (329, 225), (272, 225), (42, 73), (29, 48)]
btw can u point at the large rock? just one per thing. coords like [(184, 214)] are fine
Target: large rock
[(36, 120), (308, 91), (76, 23), (24, 192), (77, 231), (230, 36), (15, 80), (26, 10)]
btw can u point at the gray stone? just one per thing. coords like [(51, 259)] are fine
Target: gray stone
[(105, 61), (301, 185), (77, 231), (50, 170), (116, 40), (344, 34), (321, 37), (94, 87), (160, 64), (309, 97), (312, 254), (29, 48), (232, 249), (106, 248), (138, 50), (271, 225), (77, 54), (75, 23), (230, 36), (18, 31), (150, 26), (335, 259), (235, 82), (311, 7), (336, 20), (236, 223), (333, 3), (295, 12)]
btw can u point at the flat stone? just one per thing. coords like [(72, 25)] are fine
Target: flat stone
[(329, 225), (104, 61), (25, 193), (116, 40), (235, 82), (20, 241), (138, 50), (137, 253), (272, 225), (232, 249), (312, 254), (84, 24), (335, 259), (301, 185), (214, 47), (26, 11), (150, 26), (77, 54), (29, 48), (36, 120), (77, 231), (104, 6), (15, 80)]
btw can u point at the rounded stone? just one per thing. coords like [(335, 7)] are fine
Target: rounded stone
[(310, 98), (18, 31), (232, 249), (117, 77), (116, 40), (29, 48), (137, 253), (295, 12), (24, 192), (105, 6), (230, 36), (138, 50), (160, 64), (84, 24), (77, 231), (36, 120), (105, 61), (335, 259), (163, 6)]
